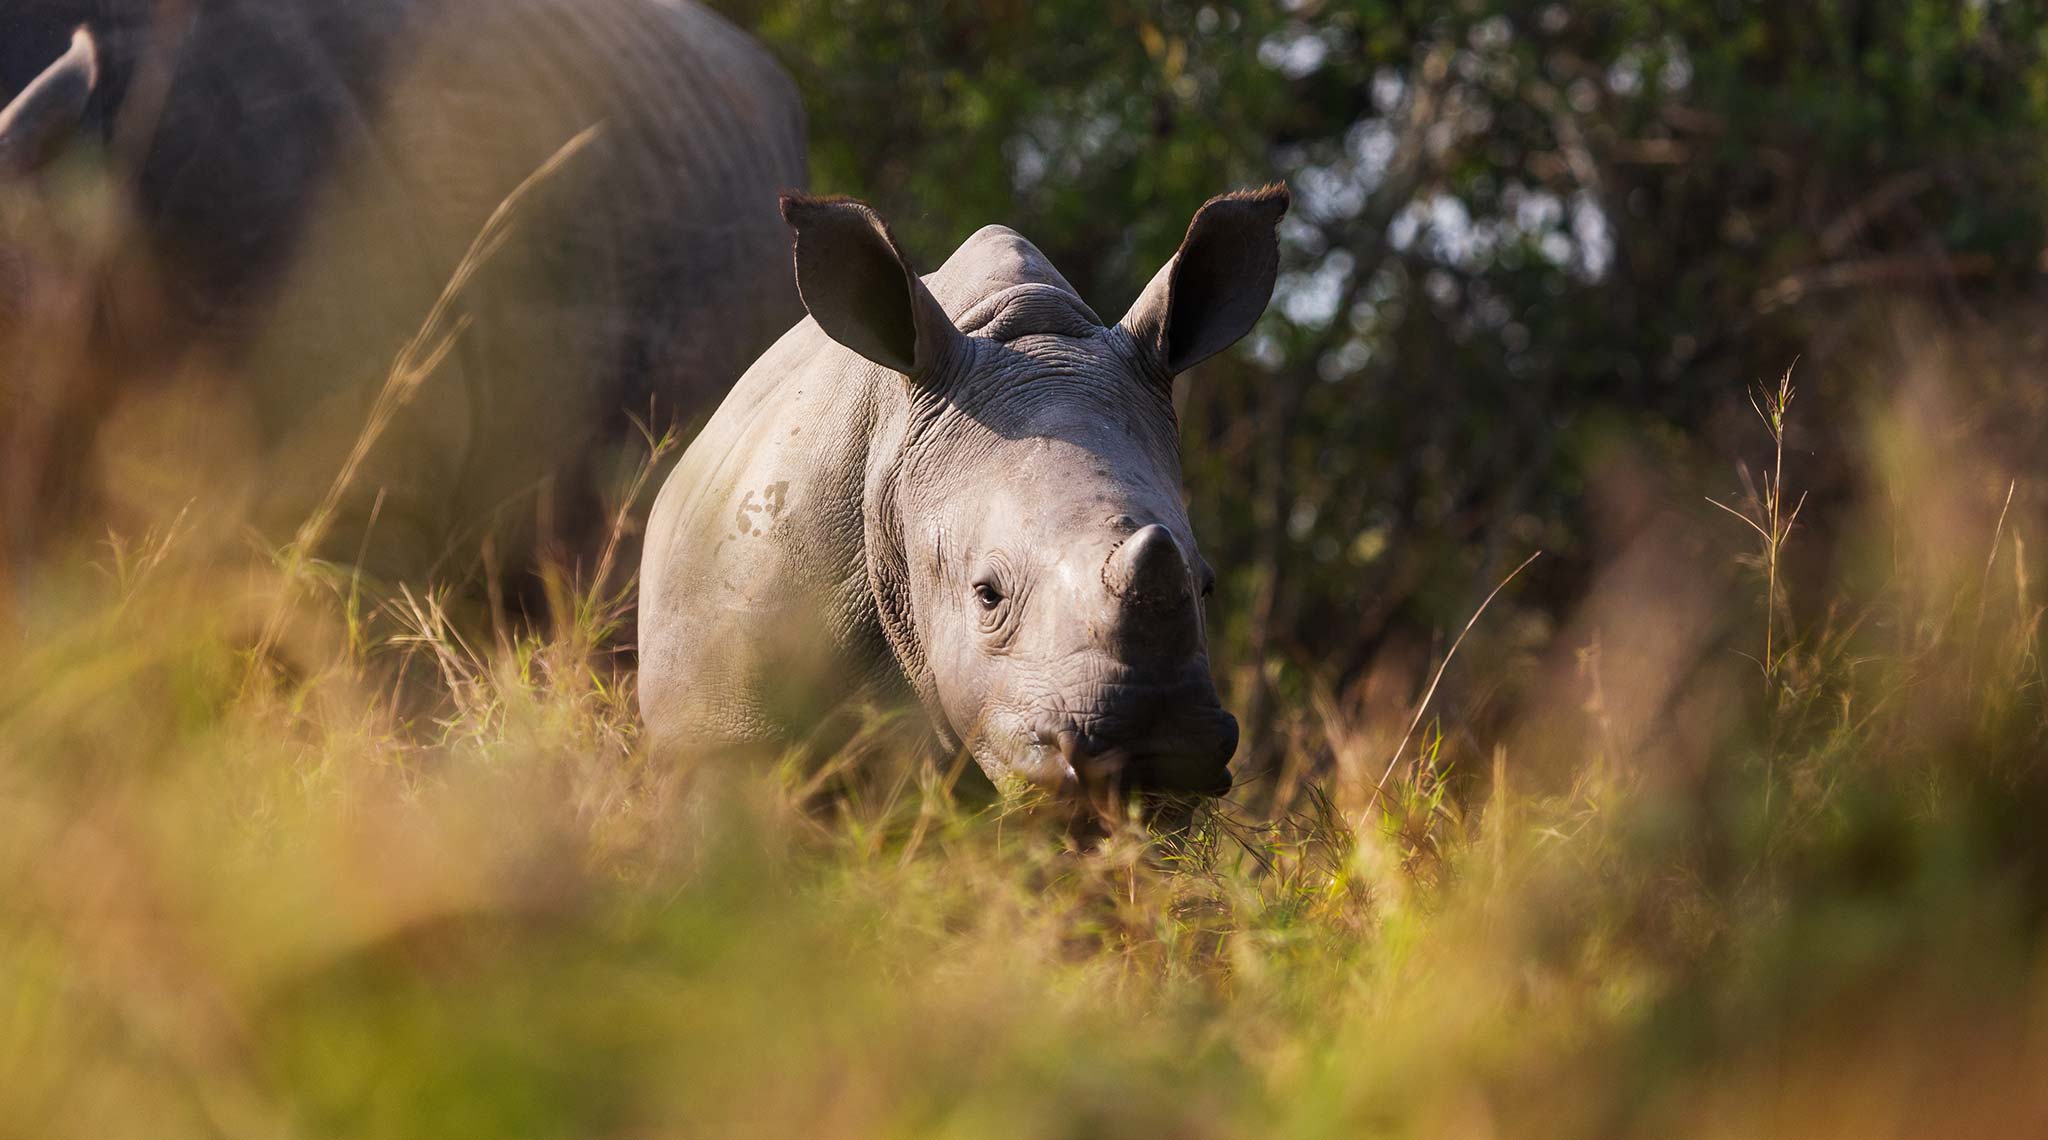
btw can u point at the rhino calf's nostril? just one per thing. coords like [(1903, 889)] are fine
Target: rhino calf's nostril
[(1071, 749)]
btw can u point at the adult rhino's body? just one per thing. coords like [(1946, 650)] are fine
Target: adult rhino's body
[(965, 486), (294, 183)]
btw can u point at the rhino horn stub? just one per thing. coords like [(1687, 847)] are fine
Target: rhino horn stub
[(35, 125), (1148, 569)]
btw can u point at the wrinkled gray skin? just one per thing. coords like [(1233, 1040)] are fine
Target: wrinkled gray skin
[(968, 486), (298, 180)]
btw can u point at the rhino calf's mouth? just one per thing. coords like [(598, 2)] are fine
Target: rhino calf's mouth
[(1178, 740)]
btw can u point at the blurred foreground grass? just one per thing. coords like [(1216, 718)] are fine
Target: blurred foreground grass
[(1706, 889)]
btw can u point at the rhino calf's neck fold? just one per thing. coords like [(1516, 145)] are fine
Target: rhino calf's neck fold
[(965, 487)]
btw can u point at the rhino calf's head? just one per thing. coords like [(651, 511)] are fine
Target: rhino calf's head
[(1029, 552)]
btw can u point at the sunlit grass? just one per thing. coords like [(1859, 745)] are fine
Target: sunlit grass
[(424, 880)]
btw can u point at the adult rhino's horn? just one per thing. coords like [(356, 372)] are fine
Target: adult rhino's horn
[(1148, 569), (35, 125)]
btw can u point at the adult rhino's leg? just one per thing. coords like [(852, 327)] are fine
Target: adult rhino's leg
[(711, 269), (644, 276), (465, 198)]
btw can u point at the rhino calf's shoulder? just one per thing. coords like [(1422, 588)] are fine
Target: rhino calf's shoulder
[(966, 485)]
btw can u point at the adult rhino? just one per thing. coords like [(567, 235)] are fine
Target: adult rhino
[(963, 485), (255, 205)]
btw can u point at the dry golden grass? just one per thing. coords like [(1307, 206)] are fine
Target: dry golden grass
[(312, 905), (288, 856)]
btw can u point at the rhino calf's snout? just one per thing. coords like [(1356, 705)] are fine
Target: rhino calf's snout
[(1195, 756), (1186, 748)]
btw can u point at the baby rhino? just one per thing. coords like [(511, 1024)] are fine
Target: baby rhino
[(966, 486)]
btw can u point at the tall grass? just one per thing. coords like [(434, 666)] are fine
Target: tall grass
[(366, 898)]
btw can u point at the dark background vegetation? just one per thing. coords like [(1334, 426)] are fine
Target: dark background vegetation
[(1539, 255)]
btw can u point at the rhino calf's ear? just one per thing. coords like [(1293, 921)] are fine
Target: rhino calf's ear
[(35, 125), (1214, 289), (863, 293)]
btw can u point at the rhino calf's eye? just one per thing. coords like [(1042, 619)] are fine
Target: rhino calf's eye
[(986, 594)]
